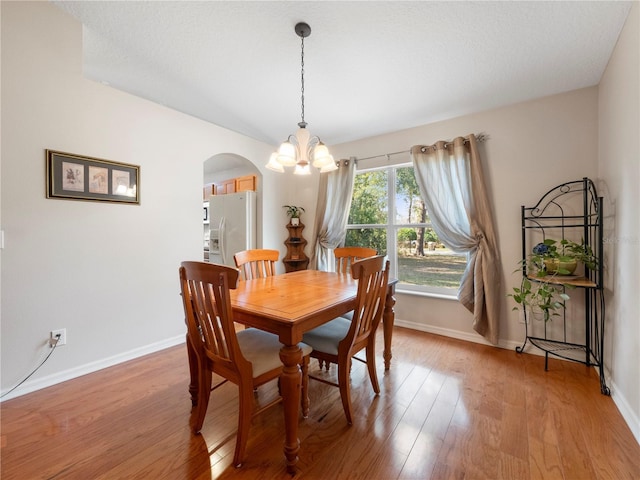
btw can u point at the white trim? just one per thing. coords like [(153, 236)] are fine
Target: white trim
[(625, 410), (59, 377), (620, 401), (466, 336), (401, 288)]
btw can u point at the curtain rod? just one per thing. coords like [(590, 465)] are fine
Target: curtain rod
[(481, 137), (381, 155)]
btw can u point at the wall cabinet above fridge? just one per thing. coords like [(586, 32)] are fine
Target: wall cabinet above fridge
[(233, 185)]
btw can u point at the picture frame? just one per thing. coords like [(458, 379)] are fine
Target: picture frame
[(70, 176)]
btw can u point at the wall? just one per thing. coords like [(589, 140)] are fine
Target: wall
[(619, 171), (108, 273), (532, 147), (105, 272)]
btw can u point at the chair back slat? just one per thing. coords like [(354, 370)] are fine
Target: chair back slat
[(205, 294), (346, 256), (373, 275), (256, 263)]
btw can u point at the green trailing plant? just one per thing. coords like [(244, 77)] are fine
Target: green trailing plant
[(559, 253), (541, 296), (293, 211), (541, 290)]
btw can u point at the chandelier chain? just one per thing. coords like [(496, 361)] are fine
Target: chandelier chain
[(302, 77), (302, 150)]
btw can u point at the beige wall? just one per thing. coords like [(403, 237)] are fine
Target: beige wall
[(619, 172), (105, 272), (532, 147)]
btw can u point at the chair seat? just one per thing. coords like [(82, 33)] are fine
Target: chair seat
[(262, 349), (326, 338)]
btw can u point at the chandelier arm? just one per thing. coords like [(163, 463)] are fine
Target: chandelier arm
[(313, 141)]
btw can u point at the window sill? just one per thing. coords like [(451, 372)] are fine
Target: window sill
[(415, 293)]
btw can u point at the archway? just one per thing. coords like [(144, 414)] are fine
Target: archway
[(220, 168)]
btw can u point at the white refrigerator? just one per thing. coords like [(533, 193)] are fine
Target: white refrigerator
[(232, 225)]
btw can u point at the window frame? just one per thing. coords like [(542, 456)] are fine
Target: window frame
[(392, 230)]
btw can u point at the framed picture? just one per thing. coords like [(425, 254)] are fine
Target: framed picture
[(77, 177)]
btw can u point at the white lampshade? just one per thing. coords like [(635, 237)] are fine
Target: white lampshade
[(287, 154), (330, 167), (302, 169), (321, 156), (274, 164)]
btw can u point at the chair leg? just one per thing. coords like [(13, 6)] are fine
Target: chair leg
[(371, 366), (344, 369), (204, 392), (245, 412), (304, 397)]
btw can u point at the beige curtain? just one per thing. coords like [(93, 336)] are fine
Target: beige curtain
[(332, 213), (451, 182)]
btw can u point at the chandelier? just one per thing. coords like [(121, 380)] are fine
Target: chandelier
[(302, 150)]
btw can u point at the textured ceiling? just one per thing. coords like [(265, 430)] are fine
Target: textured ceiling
[(370, 67)]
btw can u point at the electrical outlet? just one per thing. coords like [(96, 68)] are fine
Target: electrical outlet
[(61, 341)]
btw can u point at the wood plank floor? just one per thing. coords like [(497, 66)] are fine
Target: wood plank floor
[(448, 410)]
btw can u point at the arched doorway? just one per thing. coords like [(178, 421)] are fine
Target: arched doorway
[(224, 167)]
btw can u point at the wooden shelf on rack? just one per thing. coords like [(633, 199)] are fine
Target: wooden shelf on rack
[(295, 259), (572, 280)]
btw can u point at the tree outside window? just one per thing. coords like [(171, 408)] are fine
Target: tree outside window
[(419, 260)]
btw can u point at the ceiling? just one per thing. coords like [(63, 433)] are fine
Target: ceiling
[(370, 67)]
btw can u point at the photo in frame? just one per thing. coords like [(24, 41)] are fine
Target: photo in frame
[(78, 177)]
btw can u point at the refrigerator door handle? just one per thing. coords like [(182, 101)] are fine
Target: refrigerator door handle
[(223, 248)]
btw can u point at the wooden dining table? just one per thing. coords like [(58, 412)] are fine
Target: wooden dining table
[(289, 305)]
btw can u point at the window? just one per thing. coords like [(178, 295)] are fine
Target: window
[(388, 214)]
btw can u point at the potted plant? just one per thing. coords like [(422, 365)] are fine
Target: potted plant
[(540, 290), (553, 257), (294, 213)]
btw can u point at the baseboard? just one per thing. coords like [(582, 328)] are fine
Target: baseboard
[(621, 402), (59, 377), (469, 337), (625, 410)]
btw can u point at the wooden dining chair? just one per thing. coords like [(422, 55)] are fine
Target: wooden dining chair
[(249, 358), (345, 256), (256, 263), (340, 339)]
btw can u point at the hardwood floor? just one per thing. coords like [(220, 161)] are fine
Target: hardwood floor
[(448, 410)]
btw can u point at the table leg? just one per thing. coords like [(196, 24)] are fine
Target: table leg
[(388, 317), (290, 384), (193, 373)]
